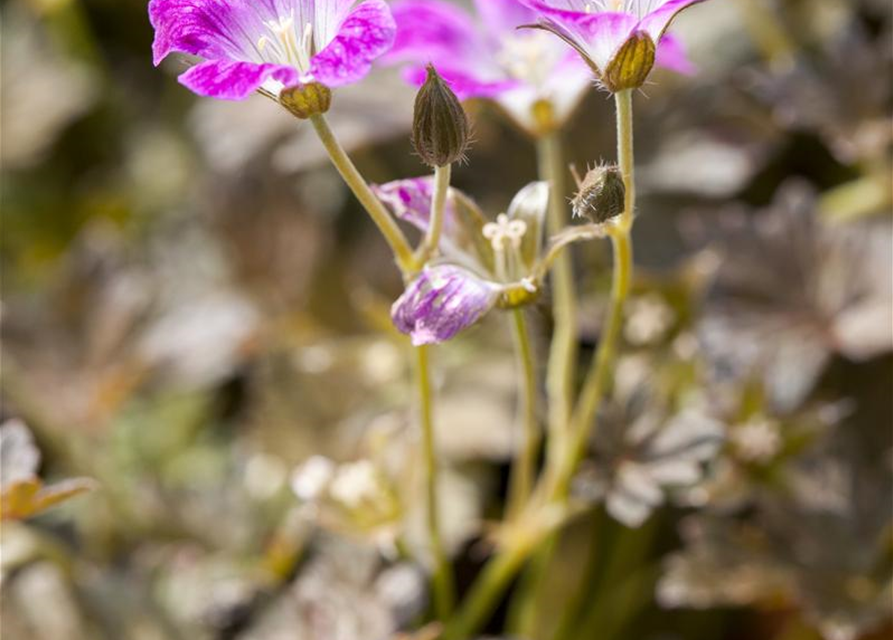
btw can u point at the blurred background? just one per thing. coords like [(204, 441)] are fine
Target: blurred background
[(193, 305)]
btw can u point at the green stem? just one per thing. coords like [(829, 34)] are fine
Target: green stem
[(502, 568), (523, 469), (493, 581), (357, 184), (442, 577), (438, 204), (597, 378), (561, 369)]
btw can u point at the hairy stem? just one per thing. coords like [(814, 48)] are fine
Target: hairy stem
[(435, 225), (523, 469), (358, 186), (442, 577)]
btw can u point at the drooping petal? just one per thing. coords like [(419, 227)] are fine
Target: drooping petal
[(210, 29), (366, 33), (442, 301), (671, 55), (233, 80), (657, 21)]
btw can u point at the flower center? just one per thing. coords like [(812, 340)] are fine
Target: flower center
[(529, 57), (504, 232), (282, 44)]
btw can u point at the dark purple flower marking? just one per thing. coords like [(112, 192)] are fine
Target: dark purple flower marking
[(271, 44), (442, 301)]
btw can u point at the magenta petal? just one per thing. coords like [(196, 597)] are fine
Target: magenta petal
[(463, 85), (442, 301), (671, 55), (211, 29), (366, 33), (233, 80), (435, 31), (410, 200), (504, 15)]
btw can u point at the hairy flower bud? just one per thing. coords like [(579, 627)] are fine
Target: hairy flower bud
[(439, 126), (306, 100), (602, 194)]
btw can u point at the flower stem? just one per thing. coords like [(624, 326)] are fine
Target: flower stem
[(435, 225), (442, 577), (524, 467), (357, 184), (596, 379), (561, 369), (484, 596)]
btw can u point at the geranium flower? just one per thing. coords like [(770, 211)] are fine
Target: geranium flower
[(619, 39), (484, 264), (271, 44), (530, 75)]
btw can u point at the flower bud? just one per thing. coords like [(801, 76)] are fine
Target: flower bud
[(306, 100), (602, 194), (439, 125)]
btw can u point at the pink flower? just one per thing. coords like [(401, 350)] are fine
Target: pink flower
[(486, 56), (619, 39), (271, 44)]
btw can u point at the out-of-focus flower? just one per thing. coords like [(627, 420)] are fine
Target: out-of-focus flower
[(648, 319), (271, 44), (641, 454), (22, 492), (794, 290), (757, 440), (620, 40), (442, 301), (529, 75)]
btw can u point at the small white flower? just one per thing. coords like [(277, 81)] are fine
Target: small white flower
[(310, 479), (648, 320), (355, 483), (758, 440)]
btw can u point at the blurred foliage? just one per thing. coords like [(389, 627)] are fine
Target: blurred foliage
[(193, 306)]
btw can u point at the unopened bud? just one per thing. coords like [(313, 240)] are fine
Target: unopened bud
[(439, 125), (602, 195), (306, 100)]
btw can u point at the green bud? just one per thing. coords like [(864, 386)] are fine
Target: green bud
[(602, 194), (306, 100), (631, 64), (439, 125)]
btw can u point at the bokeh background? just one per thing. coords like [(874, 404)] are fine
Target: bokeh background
[(193, 304)]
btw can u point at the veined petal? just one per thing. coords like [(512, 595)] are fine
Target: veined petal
[(208, 28), (233, 80), (364, 35), (442, 301), (410, 200)]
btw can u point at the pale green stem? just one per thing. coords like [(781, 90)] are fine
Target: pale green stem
[(561, 369), (501, 569), (596, 379), (357, 184), (438, 204), (442, 577), (524, 466)]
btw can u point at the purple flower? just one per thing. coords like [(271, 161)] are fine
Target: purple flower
[(271, 44), (619, 39), (442, 301), (488, 57)]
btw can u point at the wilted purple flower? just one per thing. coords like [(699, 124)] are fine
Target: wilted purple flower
[(440, 302), (619, 39), (489, 58), (271, 44)]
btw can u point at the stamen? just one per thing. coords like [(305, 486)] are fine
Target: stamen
[(504, 231)]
